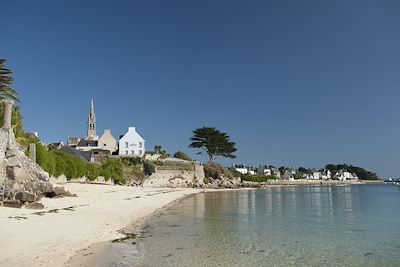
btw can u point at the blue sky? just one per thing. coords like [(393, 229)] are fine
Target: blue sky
[(298, 83)]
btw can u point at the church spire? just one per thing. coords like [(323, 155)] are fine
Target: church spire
[(91, 129)]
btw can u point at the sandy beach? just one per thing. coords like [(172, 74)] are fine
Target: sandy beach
[(67, 226)]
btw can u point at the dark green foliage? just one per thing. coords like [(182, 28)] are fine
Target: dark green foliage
[(57, 163), (112, 168), (282, 169), (360, 172), (297, 176), (182, 155), (132, 161), (303, 170), (259, 178), (216, 171), (213, 142), (149, 167), (6, 92)]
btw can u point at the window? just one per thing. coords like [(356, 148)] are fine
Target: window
[(140, 152), (126, 144), (140, 144), (126, 152), (104, 144), (132, 152)]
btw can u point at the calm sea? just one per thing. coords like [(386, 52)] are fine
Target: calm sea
[(282, 226)]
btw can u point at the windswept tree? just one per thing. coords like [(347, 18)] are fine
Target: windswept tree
[(6, 92), (213, 142)]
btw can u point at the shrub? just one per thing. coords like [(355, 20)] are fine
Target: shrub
[(149, 167), (216, 171), (132, 161), (133, 173), (182, 155)]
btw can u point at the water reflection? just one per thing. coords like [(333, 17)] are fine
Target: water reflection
[(278, 226)]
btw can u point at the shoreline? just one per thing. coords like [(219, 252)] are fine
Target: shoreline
[(90, 256), (72, 225), (73, 231)]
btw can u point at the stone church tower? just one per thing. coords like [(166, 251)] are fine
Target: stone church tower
[(91, 127)]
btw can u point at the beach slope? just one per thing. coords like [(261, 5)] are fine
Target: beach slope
[(50, 237)]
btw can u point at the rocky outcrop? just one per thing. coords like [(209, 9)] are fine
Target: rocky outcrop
[(59, 192), (22, 181)]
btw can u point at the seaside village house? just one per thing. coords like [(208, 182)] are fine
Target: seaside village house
[(131, 144), (244, 169), (92, 146), (344, 175)]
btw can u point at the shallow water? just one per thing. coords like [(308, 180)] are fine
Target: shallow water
[(281, 226)]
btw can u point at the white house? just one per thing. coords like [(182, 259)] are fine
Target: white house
[(326, 174), (344, 175), (316, 176), (241, 168), (131, 144), (264, 170)]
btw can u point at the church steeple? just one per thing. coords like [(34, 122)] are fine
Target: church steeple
[(91, 129)]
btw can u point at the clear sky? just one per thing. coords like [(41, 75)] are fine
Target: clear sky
[(292, 82)]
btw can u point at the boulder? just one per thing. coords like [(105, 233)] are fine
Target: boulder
[(35, 206), (25, 197), (59, 191), (12, 204)]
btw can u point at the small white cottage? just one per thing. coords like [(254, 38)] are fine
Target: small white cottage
[(131, 144)]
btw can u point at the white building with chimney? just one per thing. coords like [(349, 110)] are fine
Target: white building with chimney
[(131, 144)]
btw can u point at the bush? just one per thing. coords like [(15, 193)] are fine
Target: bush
[(133, 173), (112, 168), (182, 155), (216, 171), (149, 167), (57, 163), (132, 161)]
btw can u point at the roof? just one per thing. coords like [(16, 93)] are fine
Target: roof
[(72, 140), (132, 134), (83, 155), (88, 143)]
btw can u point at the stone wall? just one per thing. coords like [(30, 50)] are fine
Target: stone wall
[(62, 179), (176, 178)]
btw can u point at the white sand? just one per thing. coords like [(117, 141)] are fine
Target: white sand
[(99, 212)]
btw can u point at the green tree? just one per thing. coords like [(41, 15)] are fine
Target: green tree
[(213, 142), (6, 92)]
